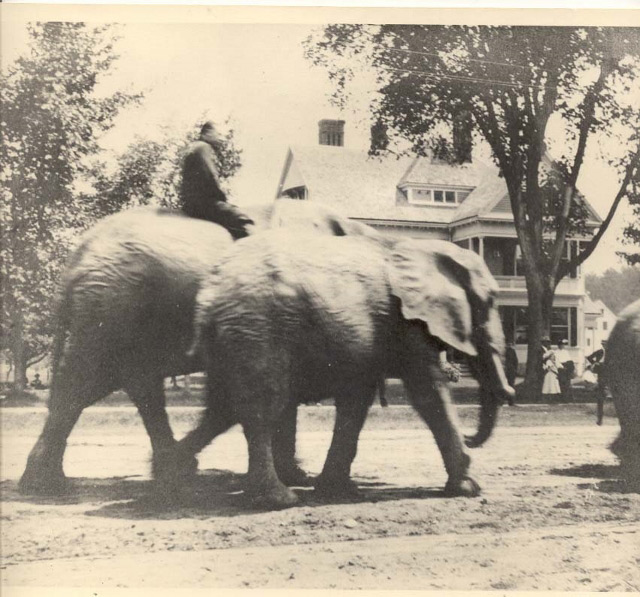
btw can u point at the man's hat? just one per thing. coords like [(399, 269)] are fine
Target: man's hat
[(564, 341), (546, 339)]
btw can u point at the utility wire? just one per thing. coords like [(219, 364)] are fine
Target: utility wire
[(466, 58), (464, 79)]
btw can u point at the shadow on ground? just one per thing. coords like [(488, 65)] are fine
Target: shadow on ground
[(611, 475), (213, 492)]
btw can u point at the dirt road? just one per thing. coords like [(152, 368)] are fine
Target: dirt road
[(553, 514)]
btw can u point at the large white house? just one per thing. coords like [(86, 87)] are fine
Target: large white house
[(425, 198)]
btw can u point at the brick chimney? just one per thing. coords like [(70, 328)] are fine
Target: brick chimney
[(331, 132)]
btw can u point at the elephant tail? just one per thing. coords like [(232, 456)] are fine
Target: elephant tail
[(203, 316), (62, 319)]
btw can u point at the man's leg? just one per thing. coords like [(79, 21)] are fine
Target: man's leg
[(237, 223)]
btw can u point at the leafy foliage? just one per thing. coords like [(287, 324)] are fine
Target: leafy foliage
[(631, 233), (615, 288), (52, 118)]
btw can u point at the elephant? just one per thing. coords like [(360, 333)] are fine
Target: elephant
[(125, 319), (622, 376), (285, 315)]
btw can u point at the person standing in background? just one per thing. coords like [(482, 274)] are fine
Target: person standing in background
[(596, 362), (550, 385), (511, 367), (566, 368)]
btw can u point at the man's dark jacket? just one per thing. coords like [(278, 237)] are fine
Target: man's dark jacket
[(200, 190)]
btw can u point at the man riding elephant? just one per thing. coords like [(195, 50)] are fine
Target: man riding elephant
[(200, 190)]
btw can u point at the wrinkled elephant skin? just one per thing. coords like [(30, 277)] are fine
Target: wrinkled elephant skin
[(286, 315)]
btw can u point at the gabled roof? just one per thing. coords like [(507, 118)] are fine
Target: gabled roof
[(368, 187), (591, 307), (425, 170), (597, 307)]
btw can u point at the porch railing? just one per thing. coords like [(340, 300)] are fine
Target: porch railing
[(566, 285)]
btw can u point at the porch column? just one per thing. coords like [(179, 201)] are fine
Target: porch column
[(482, 247), (582, 340), (470, 244)]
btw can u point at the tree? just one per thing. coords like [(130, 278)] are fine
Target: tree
[(148, 171), (52, 118), (631, 232), (615, 288), (523, 89)]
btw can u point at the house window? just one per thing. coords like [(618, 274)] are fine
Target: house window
[(520, 267), (571, 249), (421, 196), (436, 196), (564, 324), (521, 325), (296, 193), (605, 325), (559, 325)]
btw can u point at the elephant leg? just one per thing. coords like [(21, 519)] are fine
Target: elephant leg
[(147, 393), (215, 420), (263, 484), (351, 413), (71, 393), (284, 449), (600, 396), (429, 394)]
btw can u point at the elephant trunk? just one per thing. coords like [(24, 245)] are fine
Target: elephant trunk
[(494, 389)]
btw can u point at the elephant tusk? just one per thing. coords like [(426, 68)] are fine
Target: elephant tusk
[(502, 385)]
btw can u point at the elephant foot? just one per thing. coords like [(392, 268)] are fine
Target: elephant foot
[(464, 487), (336, 488), (294, 476), (274, 498), (472, 441), (36, 482), (173, 470)]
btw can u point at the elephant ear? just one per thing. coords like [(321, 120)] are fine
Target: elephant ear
[(449, 288)]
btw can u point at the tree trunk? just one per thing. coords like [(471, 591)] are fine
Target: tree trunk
[(18, 354), (540, 304)]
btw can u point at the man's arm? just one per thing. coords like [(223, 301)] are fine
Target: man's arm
[(596, 356)]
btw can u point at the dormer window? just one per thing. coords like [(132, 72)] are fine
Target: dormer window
[(436, 196), (295, 193)]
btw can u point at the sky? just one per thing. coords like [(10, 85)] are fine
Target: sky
[(257, 76)]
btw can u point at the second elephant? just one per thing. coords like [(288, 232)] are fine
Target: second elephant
[(622, 375), (286, 315)]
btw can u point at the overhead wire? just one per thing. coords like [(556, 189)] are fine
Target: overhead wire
[(463, 78), (468, 79), (434, 55)]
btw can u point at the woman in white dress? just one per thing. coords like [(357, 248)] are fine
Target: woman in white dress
[(551, 384)]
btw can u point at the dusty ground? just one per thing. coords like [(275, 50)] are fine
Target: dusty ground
[(553, 514)]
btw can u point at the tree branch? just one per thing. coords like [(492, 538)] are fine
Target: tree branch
[(36, 360), (566, 267), (589, 106)]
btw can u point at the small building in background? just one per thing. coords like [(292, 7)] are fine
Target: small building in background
[(598, 323)]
